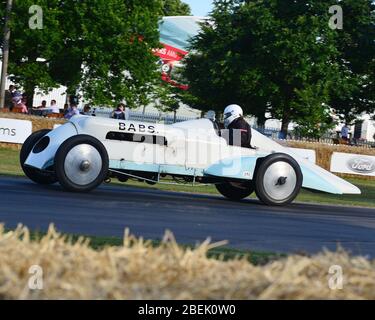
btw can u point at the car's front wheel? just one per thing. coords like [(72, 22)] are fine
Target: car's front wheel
[(234, 190), (278, 179), (34, 174), (81, 163)]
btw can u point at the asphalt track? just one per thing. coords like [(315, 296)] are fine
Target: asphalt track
[(108, 210)]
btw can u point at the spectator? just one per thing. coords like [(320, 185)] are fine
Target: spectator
[(119, 113), (8, 103), (86, 110), (17, 97), (66, 108), (23, 105), (72, 111), (19, 102), (54, 108), (345, 132), (43, 106)]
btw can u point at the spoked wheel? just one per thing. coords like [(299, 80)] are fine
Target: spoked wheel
[(235, 190), (34, 174), (81, 163), (278, 179)]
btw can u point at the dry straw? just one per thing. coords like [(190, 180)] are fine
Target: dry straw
[(137, 270), (39, 123)]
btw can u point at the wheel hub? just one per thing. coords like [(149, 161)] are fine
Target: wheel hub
[(280, 180), (83, 164)]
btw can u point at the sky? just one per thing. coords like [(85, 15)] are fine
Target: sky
[(199, 7)]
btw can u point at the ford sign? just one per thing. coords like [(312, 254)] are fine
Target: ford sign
[(361, 165)]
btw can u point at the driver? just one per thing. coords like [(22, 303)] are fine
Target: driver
[(237, 125)]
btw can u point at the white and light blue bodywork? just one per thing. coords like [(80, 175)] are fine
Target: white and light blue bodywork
[(191, 148)]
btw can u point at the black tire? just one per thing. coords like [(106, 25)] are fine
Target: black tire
[(36, 175), (99, 169), (274, 189), (235, 191)]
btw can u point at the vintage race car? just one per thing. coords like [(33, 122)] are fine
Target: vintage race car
[(87, 151)]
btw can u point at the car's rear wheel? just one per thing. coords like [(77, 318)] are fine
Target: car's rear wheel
[(81, 163), (235, 190), (278, 179), (34, 174)]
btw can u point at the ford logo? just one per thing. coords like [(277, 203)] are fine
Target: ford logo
[(361, 165)]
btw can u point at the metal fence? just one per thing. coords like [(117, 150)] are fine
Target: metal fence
[(152, 117), (331, 138)]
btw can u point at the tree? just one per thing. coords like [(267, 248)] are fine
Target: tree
[(354, 91), (31, 50), (103, 48), (115, 48), (175, 8), (276, 57)]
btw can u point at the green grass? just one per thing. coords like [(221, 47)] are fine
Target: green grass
[(366, 199), (9, 162), (9, 165)]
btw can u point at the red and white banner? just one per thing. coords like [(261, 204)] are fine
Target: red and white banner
[(169, 53), (170, 58)]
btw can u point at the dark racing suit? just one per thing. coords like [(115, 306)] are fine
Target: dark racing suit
[(239, 133)]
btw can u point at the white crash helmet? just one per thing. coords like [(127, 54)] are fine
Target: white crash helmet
[(231, 113)]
